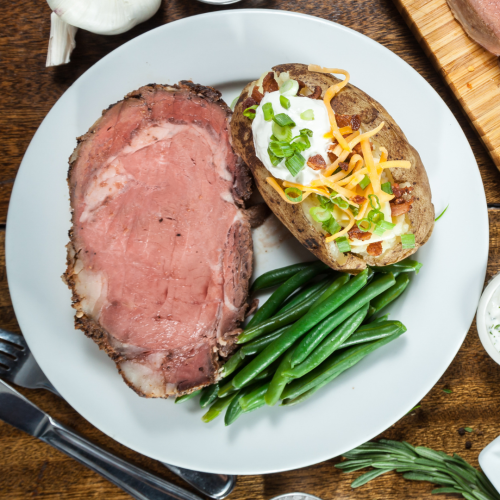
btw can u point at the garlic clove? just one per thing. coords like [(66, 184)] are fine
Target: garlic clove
[(61, 41), (105, 17)]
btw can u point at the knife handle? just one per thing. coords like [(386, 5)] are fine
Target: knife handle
[(135, 481)]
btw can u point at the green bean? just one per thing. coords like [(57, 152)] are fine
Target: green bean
[(333, 287), (330, 344), (215, 410), (234, 410), (279, 380), (234, 362), (275, 301), (257, 393), (335, 365), (228, 387), (403, 266), (300, 328), (278, 276), (306, 395), (261, 343), (279, 320), (315, 336), (303, 295), (372, 331), (392, 294), (181, 399), (385, 317), (209, 395)]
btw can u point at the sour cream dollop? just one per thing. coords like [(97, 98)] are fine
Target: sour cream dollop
[(262, 132)]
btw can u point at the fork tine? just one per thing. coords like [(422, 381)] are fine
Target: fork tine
[(13, 338), (6, 361), (9, 349)]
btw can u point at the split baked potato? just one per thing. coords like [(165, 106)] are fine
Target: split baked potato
[(406, 196)]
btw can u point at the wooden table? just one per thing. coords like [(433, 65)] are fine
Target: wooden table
[(31, 469)]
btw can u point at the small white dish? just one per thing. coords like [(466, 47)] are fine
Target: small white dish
[(482, 327), (489, 460), (296, 496)]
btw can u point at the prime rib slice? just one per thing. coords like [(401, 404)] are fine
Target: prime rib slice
[(160, 251), (481, 20)]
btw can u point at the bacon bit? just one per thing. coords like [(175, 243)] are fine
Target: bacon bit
[(301, 84), (353, 121), (343, 165), (358, 199), (401, 208), (374, 249), (357, 149), (316, 162), (356, 234), (398, 192), (316, 93), (333, 157), (269, 84), (249, 101), (256, 95)]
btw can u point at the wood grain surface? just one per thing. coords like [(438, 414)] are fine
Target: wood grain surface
[(31, 469), (472, 72)]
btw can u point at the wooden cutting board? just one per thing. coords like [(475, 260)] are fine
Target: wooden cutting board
[(472, 73)]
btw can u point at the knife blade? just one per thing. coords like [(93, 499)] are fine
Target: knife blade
[(21, 413)]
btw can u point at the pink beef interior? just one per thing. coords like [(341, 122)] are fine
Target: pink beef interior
[(165, 250)]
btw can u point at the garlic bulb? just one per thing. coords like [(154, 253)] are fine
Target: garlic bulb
[(104, 17)]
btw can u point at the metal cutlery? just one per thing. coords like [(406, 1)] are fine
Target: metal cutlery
[(18, 366)]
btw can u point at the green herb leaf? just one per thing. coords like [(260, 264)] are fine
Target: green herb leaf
[(364, 182), (414, 408), (295, 163), (468, 429), (448, 391), (343, 244), (250, 112), (284, 101), (441, 214), (268, 111), (408, 241), (283, 120)]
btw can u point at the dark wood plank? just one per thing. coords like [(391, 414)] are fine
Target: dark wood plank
[(31, 469)]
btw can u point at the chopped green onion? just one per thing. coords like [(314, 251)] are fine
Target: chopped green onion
[(340, 202), (325, 202), (383, 226), (306, 132), (295, 163), (274, 159), (365, 181), (299, 146), (331, 226), (320, 214), (375, 216), (283, 120), (372, 197), (302, 141), (284, 101), (386, 187), (293, 194), (268, 111), (250, 112), (343, 244), (307, 115), (281, 149), (354, 210), (235, 100), (282, 133), (408, 241), (364, 225), (289, 88), (441, 214)]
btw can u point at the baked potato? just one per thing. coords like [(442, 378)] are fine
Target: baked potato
[(348, 185)]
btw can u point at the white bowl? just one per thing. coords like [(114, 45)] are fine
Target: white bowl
[(482, 329), (489, 460)]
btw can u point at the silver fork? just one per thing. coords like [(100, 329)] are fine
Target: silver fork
[(18, 365)]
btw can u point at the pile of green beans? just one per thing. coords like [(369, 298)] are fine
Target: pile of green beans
[(316, 325)]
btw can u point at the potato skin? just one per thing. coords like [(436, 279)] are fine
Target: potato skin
[(350, 100)]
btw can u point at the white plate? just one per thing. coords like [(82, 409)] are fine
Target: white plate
[(226, 50)]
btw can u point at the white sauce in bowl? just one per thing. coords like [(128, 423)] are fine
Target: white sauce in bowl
[(492, 319)]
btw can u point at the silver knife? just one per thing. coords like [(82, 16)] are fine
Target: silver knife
[(19, 412)]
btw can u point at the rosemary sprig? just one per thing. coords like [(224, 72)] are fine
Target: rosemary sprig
[(417, 463)]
